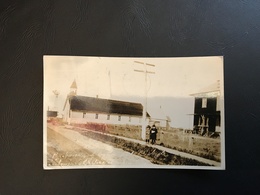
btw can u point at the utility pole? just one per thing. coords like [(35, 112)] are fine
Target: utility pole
[(145, 71)]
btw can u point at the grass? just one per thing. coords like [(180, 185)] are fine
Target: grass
[(155, 155), (174, 138)]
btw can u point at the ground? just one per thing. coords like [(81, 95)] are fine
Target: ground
[(174, 138), (81, 147), (69, 148), (64, 152)]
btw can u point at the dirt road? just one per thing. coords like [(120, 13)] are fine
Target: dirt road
[(64, 152), (70, 148)]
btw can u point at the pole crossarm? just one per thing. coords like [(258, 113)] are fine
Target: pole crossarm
[(150, 72), (139, 71), (150, 64), (144, 63), (139, 62)]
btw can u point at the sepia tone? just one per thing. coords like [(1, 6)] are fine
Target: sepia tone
[(133, 119)]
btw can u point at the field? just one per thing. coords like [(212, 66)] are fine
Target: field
[(195, 144), (174, 138), (156, 156)]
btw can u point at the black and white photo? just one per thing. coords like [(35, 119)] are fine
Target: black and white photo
[(129, 112)]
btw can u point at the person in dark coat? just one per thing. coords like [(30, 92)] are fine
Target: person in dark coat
[(153, 133)]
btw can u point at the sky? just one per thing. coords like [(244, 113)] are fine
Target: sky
[(168, 89)]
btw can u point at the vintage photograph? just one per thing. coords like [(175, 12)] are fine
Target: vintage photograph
[(129, 112)]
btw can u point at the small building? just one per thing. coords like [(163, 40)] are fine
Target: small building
[(207, 114), (159, 119), (51, 113)]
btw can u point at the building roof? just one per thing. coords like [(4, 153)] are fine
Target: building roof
[(157, 114), (74, 84), (215, 87), (168, 119), (98, 105)]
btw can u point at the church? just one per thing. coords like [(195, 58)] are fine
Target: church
[(82, 109)]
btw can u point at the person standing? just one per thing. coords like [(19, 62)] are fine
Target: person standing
[(153, 133), (147, 139)]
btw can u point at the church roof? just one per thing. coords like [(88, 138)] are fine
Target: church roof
[(74, 84), (98, 105)]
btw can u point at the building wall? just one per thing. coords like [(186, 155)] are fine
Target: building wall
[(80, 117), (66, 113), (52, 113), (211, 105), (158, 122), (218, 107), (209, 110)]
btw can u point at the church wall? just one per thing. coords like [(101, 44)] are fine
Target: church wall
[(66, 113), (79, 117)]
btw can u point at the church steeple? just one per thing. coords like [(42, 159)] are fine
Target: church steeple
[(73, 88)]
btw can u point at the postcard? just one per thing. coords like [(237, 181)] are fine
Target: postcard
[(133, 112)]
